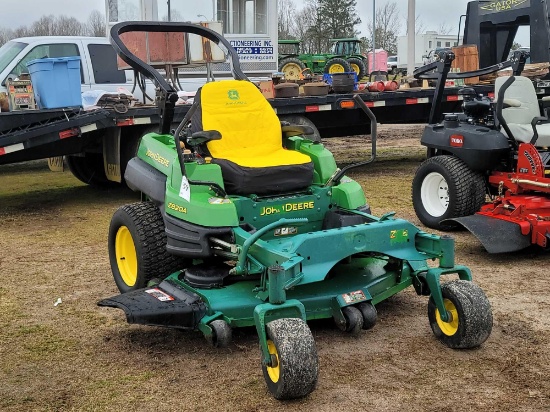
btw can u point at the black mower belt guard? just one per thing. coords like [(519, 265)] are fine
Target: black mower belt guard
[(496, 235), (165, 305)]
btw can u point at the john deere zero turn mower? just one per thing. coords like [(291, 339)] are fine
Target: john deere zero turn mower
[(496, 148), (246, 222)]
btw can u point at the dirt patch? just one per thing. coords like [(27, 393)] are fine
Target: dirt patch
[(76, 356)]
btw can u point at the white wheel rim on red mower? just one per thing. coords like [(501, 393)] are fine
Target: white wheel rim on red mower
[(434, 193)]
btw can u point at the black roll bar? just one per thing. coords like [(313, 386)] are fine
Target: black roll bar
[(439, 70)]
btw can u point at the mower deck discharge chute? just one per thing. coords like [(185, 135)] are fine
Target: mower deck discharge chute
[(249, 223), (498, 149)]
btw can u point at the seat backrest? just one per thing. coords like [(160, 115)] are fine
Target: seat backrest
[(247, 122), (521, 89)]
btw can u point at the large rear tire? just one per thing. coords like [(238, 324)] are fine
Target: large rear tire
[(137, 247), (291, 67), (443, 188), (358, 66), (471, 320), (296, 365), (337, 65)]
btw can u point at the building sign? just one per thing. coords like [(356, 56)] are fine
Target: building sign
[(503, 5), (254, 50)]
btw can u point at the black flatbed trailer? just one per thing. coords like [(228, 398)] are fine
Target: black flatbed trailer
[(40, 134)]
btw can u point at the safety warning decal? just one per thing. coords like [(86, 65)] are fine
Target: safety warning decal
[(354, 297), (160, 295)]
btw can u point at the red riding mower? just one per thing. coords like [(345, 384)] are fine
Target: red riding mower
[(499, 149)]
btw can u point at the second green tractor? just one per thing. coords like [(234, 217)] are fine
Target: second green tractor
[(345, 56)]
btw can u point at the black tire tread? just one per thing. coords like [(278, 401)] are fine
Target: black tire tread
[(221, 334), (469, 188), (369, 313), (340, 61), (362, 68), (89, 169), (154, 260), (475, 315), (297, 358), (354, 320)]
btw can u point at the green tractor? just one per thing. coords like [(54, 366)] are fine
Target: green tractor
[(345, 56), (245, 222)]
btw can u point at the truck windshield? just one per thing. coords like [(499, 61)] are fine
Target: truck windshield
[(8, 52)]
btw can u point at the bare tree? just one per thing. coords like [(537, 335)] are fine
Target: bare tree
[(317, 33), (304, 20), (175, 15), (69, 26), (286, 10), (44, 26), (95, 26), (6, 35), (444, 28), (419, 26), (388, 26)]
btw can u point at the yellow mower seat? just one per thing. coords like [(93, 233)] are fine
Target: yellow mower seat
[(250, 152)]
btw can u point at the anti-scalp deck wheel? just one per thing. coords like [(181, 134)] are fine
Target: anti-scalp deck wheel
[(221, 334), (295, 368), (137, 247), (354, 320), (471, 319), (369, 313)]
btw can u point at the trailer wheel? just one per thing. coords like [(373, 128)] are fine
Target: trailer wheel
[(221, 334), (295, 365), (337, 65), (302, 121), (471, 316), (369, 313), (137, 247), (291, 67), (443, 188), (358, 66), (89, 169)]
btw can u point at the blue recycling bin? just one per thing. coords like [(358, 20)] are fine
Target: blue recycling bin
[(56, 82)]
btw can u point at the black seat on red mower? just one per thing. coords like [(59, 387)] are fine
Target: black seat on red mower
[(523, 109), (250, 153)]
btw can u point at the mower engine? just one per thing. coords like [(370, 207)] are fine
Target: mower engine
[(477, 108)]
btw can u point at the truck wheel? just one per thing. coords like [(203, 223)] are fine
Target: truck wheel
[(137, 247), (302, 121), (443, 188), (358, 66), (89, 169), (471, 316), (295, 366), (337, 65), (292, 68)]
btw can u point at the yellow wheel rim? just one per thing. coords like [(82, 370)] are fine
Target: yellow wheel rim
[(355, 68), (448, 328), (126, 256), (292, 71), (273, 372), (336, 68)]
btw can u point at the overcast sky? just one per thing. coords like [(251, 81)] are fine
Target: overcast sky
[(432, 12)]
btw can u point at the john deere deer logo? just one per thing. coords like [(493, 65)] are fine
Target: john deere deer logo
[(233, 94)]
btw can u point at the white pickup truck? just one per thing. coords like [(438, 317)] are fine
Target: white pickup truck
[(98, 68)]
